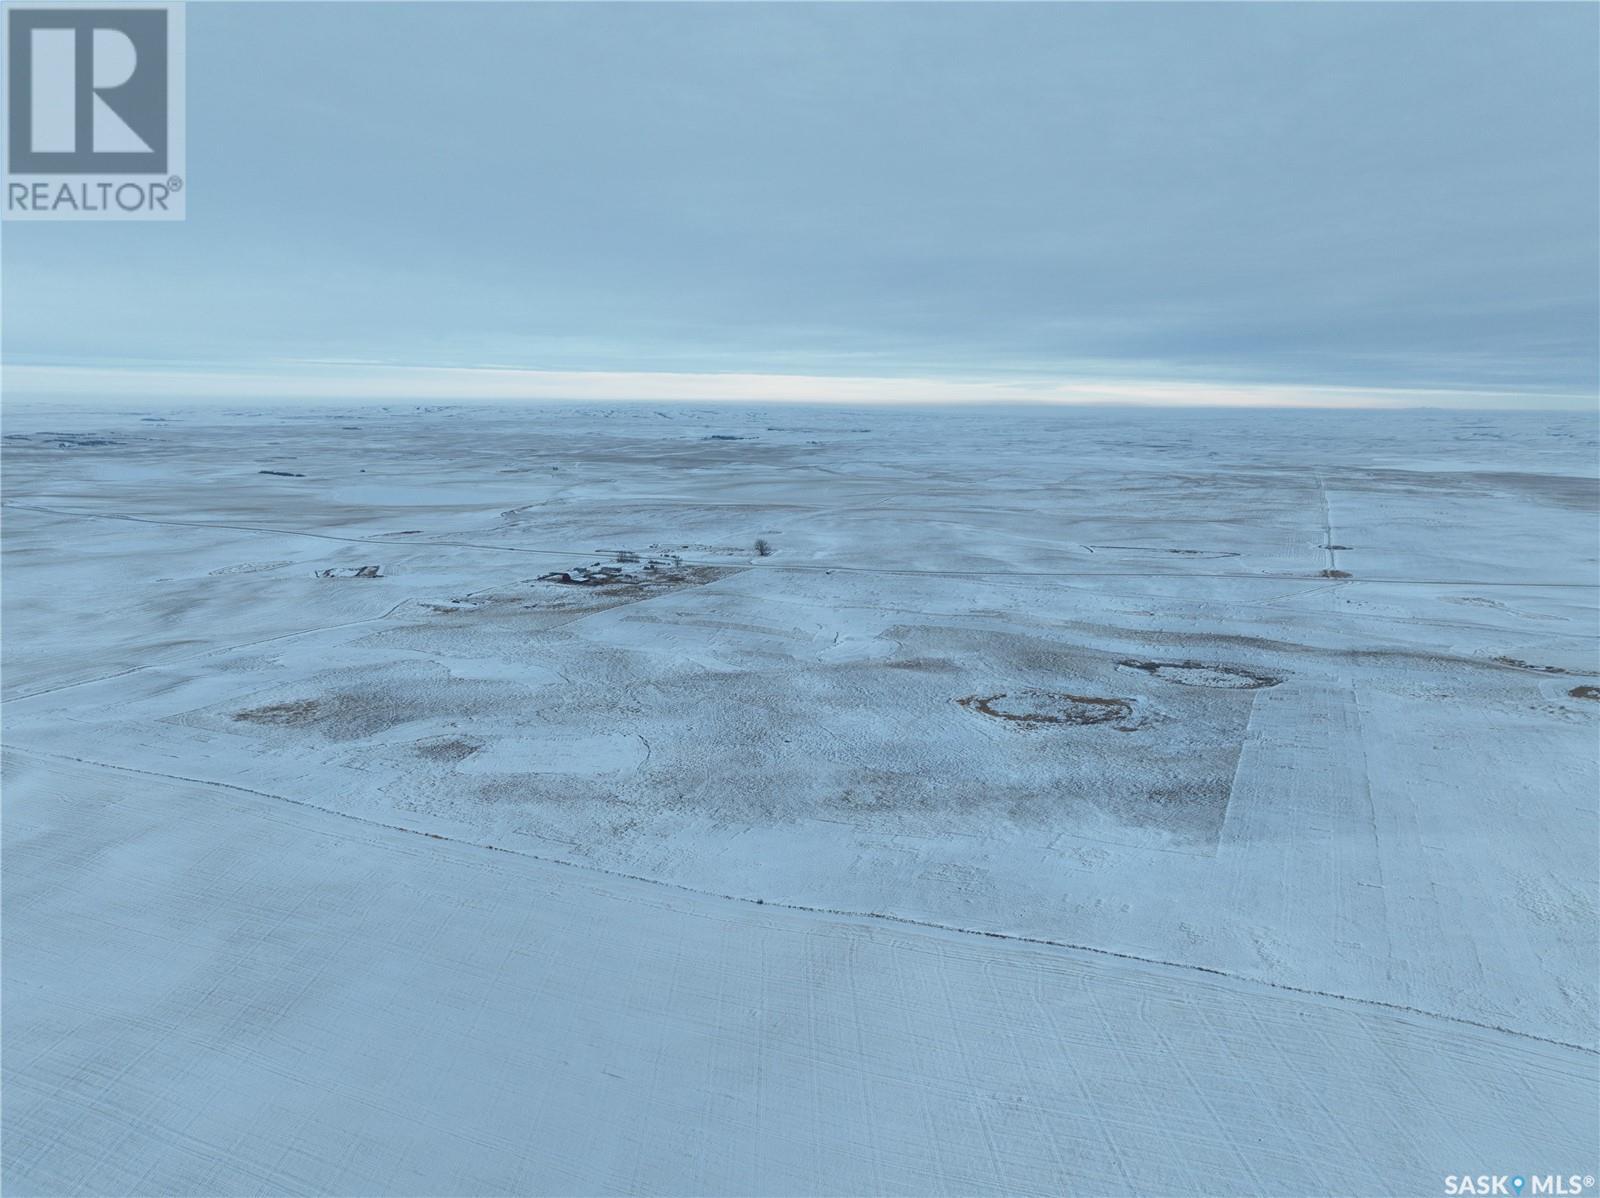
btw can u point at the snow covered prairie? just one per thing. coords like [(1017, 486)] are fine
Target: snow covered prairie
[(454, 801)]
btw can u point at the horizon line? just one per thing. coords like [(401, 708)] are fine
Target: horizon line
[(387, 382)]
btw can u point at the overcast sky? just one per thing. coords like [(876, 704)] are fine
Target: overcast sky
[(1324, 197)]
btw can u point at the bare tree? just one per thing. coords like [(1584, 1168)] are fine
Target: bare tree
[(763, 549)]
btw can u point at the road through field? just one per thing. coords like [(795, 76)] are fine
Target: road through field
[(214, 992)]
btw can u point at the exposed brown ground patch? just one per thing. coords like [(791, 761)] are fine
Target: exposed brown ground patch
[(295, 714), (931, 665), (1177, 552), (447, 749), (1038, 708), (1199, 673), (1518, 663)]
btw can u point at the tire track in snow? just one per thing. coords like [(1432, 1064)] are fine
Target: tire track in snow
[(836, 912), (293, 1008)]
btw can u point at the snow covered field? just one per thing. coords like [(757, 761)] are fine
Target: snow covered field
[(1072, 800)]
